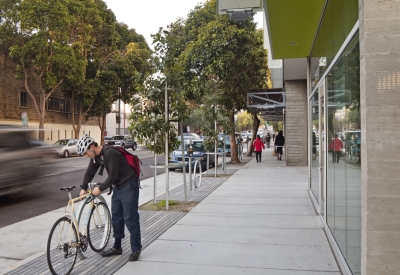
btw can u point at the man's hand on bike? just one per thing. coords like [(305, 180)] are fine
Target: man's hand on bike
[(96, 191), (83, 192)]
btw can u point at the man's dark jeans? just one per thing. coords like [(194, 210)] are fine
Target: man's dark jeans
[(124, 208)]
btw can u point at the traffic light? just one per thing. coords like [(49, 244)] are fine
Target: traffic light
[(118, 118)]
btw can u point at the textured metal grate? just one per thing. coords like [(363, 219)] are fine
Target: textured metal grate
[(153, 224)]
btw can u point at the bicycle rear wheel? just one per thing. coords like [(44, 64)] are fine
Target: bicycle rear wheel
[(99, 226), (62, 247)]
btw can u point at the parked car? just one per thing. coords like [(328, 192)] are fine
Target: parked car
[(124, 141), (20, 160), (66, 147), (221, 137), (245, 136), (199, 153), (106, 139), (191, 135)]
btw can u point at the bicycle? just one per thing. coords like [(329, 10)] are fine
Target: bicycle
[(66, 240)]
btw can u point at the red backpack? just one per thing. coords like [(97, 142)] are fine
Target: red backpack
[(132, 160)]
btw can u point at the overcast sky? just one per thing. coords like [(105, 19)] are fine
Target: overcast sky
[(146, 17)]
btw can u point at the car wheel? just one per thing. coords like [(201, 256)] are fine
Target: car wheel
[(66, 154), (171, 169), (134, 147)]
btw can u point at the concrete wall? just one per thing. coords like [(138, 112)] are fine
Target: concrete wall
[(296, 123), (380, 124)]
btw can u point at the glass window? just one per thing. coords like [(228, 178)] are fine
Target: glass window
[(23, 102), (62, 105), (314, 103), (343, 138), (338, 21)]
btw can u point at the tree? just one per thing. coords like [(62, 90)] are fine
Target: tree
[(42, 45), (121, 77), (224, 60), (244, 121)]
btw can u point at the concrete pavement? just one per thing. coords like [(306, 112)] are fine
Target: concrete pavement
[(259, 221), (26, 240)]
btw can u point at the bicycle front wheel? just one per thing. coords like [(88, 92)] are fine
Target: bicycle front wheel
[(99, 226), (62, 247)]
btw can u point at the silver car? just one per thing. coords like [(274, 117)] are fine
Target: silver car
[(65, 147)]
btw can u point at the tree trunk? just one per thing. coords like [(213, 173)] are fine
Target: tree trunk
[(234, 147), (102, 124), (256, 124)]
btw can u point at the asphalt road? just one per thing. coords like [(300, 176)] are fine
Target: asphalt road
[(46, 196)]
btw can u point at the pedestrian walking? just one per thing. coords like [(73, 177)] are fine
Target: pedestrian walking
[(268, 140), (125, 199), (279, 142), (258, 146), (336, 146)]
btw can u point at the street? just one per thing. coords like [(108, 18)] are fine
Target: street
[(46, 196)]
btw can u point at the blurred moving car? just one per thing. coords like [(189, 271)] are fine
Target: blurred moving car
[(66, 147), (124, 141), (20, 159), (199, 153)]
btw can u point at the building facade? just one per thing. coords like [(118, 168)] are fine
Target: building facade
[(346, 53), (17, 108)]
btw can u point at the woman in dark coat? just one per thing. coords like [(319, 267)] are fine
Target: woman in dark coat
[(279, 142)]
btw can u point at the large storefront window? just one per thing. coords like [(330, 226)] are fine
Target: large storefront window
[(315, 136), (343, 139), (338, 21)]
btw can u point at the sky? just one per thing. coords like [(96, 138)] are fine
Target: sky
[(146, 17)]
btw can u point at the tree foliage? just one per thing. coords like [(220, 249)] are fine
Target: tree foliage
[(212, 61), (77, 46)]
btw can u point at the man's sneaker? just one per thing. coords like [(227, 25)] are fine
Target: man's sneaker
[(110, 252), (134, 255)]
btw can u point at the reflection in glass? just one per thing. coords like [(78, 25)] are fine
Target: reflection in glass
[(315, 146), (344, 177)]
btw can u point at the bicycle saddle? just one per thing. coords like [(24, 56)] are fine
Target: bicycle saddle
[(68, 189)]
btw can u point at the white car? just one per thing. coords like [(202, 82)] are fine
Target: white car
[(66, 147)]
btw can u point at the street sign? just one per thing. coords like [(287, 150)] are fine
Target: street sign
[(24, 117)]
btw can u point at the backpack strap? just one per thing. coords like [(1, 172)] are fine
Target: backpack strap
[(102, 166)]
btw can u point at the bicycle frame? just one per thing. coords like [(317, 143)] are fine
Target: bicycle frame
[(71, 209)]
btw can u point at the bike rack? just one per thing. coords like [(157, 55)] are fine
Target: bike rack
[(200, 171)]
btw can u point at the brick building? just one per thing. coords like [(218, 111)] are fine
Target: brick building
[(16, 103)]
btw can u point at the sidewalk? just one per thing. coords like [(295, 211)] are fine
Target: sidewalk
[(26, 240), (259, 221)]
